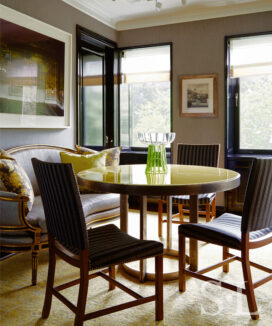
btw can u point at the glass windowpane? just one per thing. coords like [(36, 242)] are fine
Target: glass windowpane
[(145, 93), (93, 100)]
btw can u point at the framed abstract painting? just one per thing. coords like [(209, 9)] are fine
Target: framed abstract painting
[(35, 73)]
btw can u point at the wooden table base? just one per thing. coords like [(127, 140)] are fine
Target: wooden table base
[(134, 272), (142, 273)]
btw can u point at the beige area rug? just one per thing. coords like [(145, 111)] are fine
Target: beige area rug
[(202, 303)]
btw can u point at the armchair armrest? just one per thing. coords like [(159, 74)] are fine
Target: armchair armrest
[(12, 212)]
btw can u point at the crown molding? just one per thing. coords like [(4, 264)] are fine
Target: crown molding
[(96, 10), (183, 15)]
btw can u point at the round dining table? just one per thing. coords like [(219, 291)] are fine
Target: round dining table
[(178, 180)]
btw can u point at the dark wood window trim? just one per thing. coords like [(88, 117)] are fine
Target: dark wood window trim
[(232, 110), (89, 40)]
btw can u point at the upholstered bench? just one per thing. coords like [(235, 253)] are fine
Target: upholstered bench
[(23, 231)]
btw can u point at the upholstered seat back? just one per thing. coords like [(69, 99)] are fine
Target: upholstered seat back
[(257, 212), (61, 201), (23, 155), (205, 155)]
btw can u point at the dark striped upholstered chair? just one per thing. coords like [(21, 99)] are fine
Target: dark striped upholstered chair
[(205, 155), (252, 230), (95, 251)]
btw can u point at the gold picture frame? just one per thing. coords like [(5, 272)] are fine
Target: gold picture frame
[(198, 95)]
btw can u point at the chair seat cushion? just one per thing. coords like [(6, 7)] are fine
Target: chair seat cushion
[(91, 203), (108, 245), (224, 231), (202, 199), (184, 199), (8, 239)]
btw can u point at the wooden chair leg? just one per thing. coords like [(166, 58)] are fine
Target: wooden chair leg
[(208, 212), (50, 282), (35, 257), (225, 252), (112, 275), (83, 289), (252, 306), (159, 287), (160, 215), (214, 208), (182, 262), (180, 209)]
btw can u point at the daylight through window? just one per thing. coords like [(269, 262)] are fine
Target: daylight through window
[(250, 77), (145, 93)]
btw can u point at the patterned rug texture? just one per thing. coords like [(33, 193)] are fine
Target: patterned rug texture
[(201, 304)]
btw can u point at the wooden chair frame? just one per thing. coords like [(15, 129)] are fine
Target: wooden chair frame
[(209, 213), (81, 261), (248, 290), (209, 210), (35, 247)]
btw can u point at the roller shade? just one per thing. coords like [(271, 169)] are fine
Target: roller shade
[(251, 56), (145, 65)]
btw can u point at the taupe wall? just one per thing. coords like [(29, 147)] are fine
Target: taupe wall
[(58, 14), (198, 48)]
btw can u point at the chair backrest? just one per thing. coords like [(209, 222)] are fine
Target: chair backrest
[(257, 211), (62, 205), (205, 155)]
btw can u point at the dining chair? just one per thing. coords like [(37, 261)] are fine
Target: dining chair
[(95, 251), (251, 230), (189, 154)]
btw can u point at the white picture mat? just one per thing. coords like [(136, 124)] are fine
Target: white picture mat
[(189, 83), (32, 121)]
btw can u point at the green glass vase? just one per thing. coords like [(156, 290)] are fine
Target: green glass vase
[(156, 159)]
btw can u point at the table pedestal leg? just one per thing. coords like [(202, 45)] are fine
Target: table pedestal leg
[(142, 273), (124, 213), (169, 223), (193, 243), (143, 209)]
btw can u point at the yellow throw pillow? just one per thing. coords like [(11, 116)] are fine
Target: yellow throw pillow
[(14, 179), (83, 162), (112, 158)]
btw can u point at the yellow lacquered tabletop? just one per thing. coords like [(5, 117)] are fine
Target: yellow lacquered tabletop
[(179, 179)]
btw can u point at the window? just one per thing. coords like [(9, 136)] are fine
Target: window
[(249, 93), (121, 92), (97, 109), (145, 92)]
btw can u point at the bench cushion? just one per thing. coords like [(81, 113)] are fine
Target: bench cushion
[(95, 206)]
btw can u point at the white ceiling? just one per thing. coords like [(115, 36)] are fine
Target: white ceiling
[(128, 14)]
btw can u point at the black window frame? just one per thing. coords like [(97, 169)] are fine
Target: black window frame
[(232, 125), (90, 41)]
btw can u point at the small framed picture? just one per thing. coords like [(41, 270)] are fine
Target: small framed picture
[(198, 95)]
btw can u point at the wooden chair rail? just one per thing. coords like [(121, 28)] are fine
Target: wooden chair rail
[(119, 307), (77, 281), (139, 298)]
